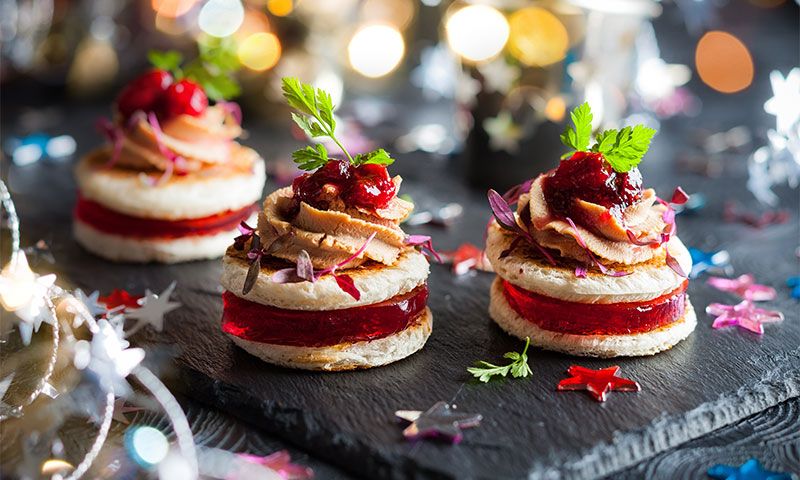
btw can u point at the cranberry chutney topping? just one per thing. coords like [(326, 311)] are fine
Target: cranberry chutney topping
[(365, 186)]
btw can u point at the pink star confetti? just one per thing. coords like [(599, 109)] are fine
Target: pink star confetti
[(465, 258), (744, 286), (281, 463), (743, 315)]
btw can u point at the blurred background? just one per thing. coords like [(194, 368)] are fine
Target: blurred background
[(471, 81)]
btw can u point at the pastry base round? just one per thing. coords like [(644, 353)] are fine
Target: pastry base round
[(345, 356), (118, 248), (603, 346)]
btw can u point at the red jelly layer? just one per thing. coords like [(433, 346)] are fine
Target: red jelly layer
[(261, 323), (110, 221), (596, 318)]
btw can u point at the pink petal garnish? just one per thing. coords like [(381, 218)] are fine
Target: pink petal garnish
[(114, 135), (679, 197), (347, 285), (232, 109), (305, 269), (642, 243), (581, 271), (512, 195), (674, 265), (287, 275), (426, 244), (245, 229)]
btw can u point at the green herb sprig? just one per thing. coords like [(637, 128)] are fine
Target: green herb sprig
[(315, 117), (212, 69), (519, 368), (623, 149)]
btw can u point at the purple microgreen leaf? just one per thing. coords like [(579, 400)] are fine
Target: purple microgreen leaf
[(169, 155), (245, 229), (349, 259), (347, 285), (232, 109), (674, 265), (247, 233), (581, 271), (605, 270), (255, 248), (679, 197), (417, 240), (426, 246), (512, 195), (305, 269), (252, 276), (286, 275), (502, 212)]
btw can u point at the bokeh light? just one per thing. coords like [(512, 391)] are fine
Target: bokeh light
[(221, 18), (146, 445), (376, 50), (393, 12), (172, 8), (555, 109), (537, 38), (260, 51), (254, 21), (477, 32), (723, 62), (280, 8)]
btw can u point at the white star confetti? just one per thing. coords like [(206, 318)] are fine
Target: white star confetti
[(26, 294), (154, 308), (108, 358), (785, 101), (499, 76), (91, 302)]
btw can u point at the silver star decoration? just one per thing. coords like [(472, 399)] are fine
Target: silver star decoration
[(120, 409), (154, 308), (498, 76), (441, 420), (785, 99), (503, 133), (108, 357), (35, 309)]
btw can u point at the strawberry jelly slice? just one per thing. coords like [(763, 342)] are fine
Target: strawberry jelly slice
[(596, 318), (109, 221), (301, 328)]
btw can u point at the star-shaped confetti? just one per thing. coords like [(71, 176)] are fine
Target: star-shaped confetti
[(441, 420), (794, 284), (121, 408), (467, 257), (281, 463), (709, 261), (6, 410), (437, 72), (744, 286), (498, 76), (743, 315), (749, 470), (503, 133), (597, 382), (154, 308), (91, 302), (119, 300)]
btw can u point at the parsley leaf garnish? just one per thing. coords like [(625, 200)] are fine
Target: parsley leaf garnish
[(623, 149), (315, 117), (578, 138), (212, 69), (518, 367)]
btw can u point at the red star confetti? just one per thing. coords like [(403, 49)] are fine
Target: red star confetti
[(744, 286), (281, 463), (120, 298), (597, 382), (467, 257), (743, 315)]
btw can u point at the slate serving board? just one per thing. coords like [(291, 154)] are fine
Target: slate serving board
[(713, 379)]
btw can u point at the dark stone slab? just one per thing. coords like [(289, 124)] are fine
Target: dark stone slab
[(713, 379)]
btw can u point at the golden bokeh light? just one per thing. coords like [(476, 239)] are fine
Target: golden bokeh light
[(477, 32), (393, 12), (375, 50), (172, 8), (538, 38), (555, 109), (260, 51), (254, 22), (280, 8), (723, 62)]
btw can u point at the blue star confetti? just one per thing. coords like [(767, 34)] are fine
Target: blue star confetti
[(749, 470), (709, 261), (794, 284)]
